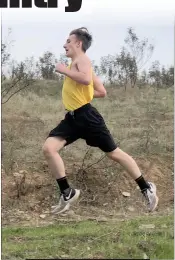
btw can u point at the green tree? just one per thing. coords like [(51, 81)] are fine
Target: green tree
[(15, 76), (46, 65), (167, 76), (143, 79), (141, 50), (155, 74), (122, 69)]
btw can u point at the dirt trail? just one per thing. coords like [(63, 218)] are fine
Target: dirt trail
[(27, 197)]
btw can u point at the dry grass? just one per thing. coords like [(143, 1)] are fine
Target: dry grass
[(141, 121)]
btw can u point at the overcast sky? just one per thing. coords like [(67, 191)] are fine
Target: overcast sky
[(37, 30)]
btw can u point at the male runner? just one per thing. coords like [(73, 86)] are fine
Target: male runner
[(82, 120)]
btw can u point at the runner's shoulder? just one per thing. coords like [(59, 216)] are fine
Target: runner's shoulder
[(84, 59)]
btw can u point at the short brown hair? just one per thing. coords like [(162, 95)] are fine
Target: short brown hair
[(83, 35)]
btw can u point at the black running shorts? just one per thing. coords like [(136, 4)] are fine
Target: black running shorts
[(85, 123)]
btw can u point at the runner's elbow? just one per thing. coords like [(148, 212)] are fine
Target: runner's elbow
[(86, 82), (103, 93)]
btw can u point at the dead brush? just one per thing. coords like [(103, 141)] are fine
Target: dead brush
[(10, 145), (20, 183)]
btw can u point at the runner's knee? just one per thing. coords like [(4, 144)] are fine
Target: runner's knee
[(48, 150), (50, 147), (116, 154)]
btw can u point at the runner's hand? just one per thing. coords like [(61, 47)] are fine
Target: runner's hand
[(61, 68)]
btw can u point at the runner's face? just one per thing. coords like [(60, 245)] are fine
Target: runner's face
[(71, 46)]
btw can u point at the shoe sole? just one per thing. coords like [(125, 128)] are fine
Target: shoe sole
[(67, 206), (56, 211), (156, 203), (157, 199)]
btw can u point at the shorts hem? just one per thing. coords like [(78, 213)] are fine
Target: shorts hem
[(109, 150)]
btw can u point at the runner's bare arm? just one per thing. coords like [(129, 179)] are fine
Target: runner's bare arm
[(82, 75), (99, 89)]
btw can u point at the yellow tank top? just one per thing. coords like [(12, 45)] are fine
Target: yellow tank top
[(75, 95)]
